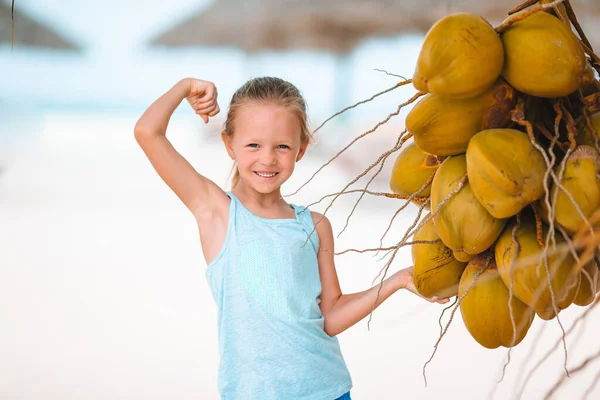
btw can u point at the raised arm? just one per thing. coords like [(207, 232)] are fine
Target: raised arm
[(198, 193), (339, 310)]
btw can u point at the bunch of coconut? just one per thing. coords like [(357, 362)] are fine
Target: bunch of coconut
[(506, 157)]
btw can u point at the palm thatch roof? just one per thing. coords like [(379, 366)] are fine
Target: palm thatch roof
[(333, 25), (29, 32)]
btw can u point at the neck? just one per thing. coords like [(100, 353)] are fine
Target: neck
[(265, 200)]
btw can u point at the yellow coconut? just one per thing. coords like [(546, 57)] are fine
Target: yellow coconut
[(582, 180), (543, 57), (529, 270), (485, 308), (461, 57), (436, 271), (444, 126), (462, 222), (412, 169), (590, 284), (506, 172)]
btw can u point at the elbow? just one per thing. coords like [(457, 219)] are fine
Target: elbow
[(331, 330), (143, 131), (331, 333), (140, 131)]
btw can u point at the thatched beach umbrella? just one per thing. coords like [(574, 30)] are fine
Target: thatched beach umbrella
[(334, 26), (331, 25), (29, 32)]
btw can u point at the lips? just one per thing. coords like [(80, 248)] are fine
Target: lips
[(265, 174)]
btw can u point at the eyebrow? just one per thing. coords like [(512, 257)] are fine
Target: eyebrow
[(288, 142)]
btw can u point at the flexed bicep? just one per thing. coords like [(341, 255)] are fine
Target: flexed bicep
[(199, 194)]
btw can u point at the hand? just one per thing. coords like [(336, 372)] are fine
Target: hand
[(405, 278), (203, 98)]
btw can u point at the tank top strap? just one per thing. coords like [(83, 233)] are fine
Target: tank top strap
[(304, 217)]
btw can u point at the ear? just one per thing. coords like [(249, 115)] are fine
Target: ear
[(226, 138), (302, 150)]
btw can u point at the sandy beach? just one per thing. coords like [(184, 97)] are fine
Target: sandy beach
[(103, 294)]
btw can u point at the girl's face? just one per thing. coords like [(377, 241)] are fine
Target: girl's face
[(266, 145)]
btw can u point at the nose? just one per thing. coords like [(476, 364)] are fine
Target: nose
[(268, 157)]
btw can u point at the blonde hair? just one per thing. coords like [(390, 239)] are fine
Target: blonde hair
[(267, 90)]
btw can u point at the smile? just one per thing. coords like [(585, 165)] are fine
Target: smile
[(263, 175)]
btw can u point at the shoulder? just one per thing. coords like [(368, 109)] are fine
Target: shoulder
[(323, 228)]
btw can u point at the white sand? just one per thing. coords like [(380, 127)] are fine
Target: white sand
[(102, 290)]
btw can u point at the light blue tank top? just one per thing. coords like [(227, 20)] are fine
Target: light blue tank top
[(272, 344)]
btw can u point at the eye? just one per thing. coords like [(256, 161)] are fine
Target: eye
[(253, 145), (283, 146)]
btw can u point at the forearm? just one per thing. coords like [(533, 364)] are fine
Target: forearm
[(156, 118), (351, 308)]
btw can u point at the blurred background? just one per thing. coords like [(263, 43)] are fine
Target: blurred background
[(102, 290)]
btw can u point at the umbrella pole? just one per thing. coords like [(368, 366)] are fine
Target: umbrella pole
[(343, 84)]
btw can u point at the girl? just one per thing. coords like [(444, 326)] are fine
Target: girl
[(280, 305)]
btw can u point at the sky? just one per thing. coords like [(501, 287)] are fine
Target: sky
[(117, 69)]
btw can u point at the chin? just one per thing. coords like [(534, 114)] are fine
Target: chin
[(266, 187)]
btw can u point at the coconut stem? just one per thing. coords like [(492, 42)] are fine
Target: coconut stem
[(382, 248), (381, 161), (549, 277), (573, 19), (409, 101), (594, 59), (383, 272), (510, 292), (406, 203), (528, 357), (460, 299), (591, 387), (592, 103), (571, 249), (558, 341), (461, 184), (519, 17), (538, 224), (571, 126), (383, 156), (369, 192), (590, 126), (396, 75), (396, 86), (522, 6), (442, 314), (541, 128), (578, 368), (407, 234)]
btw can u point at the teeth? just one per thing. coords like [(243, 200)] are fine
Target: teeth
[(265, 175)]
